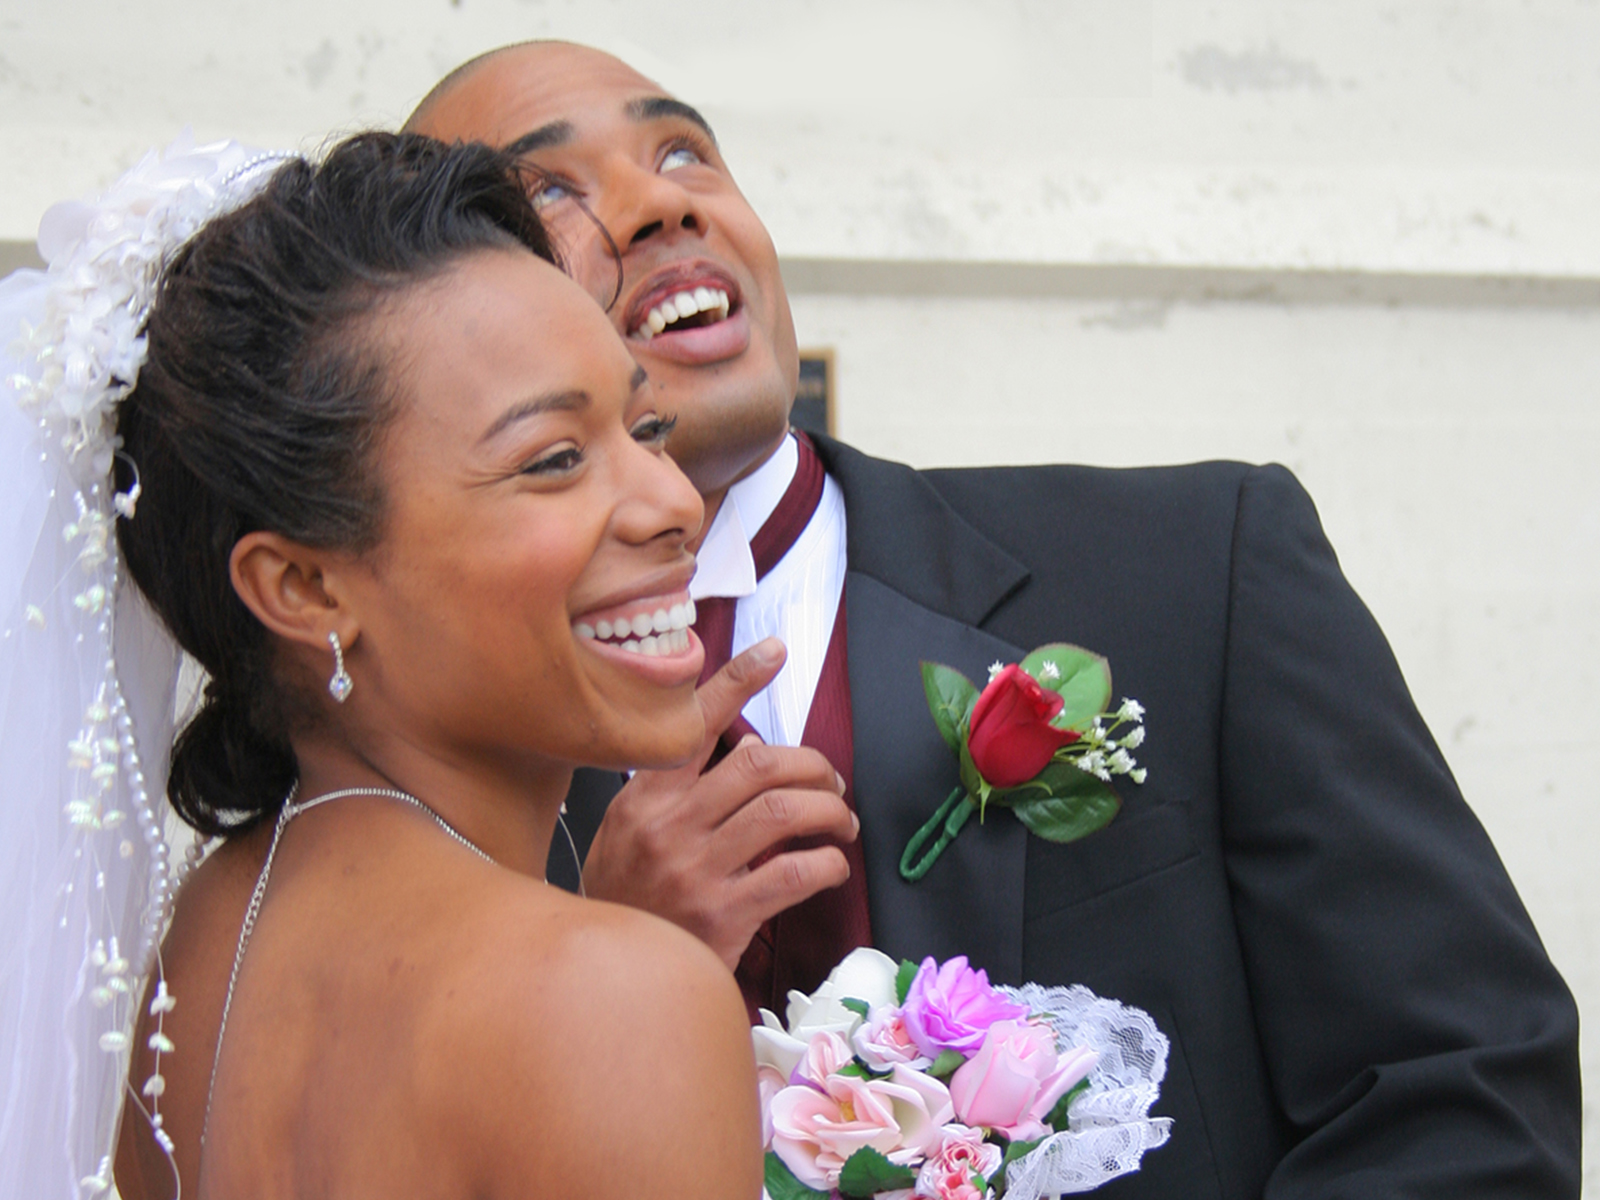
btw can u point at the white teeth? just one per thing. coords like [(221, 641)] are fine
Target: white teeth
[(682, 305), (664, 631)]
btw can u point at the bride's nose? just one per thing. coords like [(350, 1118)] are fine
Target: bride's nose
[(658, 500)]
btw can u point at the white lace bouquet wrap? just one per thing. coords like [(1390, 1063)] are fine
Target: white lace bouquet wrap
[(1110, 1126), (906, 1080)]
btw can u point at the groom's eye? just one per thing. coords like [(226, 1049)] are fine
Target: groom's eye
[(548, 191), (682, 155)]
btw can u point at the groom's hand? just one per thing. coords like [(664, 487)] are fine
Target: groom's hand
[(679, 844)]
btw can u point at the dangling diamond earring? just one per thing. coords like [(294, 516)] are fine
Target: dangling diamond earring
[(339, 687)]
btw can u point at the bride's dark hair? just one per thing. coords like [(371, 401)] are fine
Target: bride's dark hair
[(261, 406)]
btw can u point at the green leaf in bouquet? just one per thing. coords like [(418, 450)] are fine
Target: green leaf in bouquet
[(950, 700), (1073, 805), (859, 1007), (902, 980), (946, 1064), (1014, 1151), (1081, 677), (1058, 1118), (782, 1185), (867, 1172)]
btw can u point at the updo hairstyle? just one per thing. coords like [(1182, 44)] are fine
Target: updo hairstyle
[(262, 404)]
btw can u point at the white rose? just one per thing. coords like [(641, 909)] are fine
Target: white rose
[(865, 974)]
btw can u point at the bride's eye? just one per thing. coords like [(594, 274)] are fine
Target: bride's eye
[(556, 462), (681, 156), (653, 430)]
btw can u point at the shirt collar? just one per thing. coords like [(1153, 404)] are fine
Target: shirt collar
[(726, 566)]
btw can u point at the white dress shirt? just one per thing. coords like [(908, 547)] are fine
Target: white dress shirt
[(796, 602)]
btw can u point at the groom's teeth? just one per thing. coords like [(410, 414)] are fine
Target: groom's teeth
[(604, 629), (682, 305), (586, 631)]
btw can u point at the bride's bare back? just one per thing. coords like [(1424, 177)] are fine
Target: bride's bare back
[(410, 1021)]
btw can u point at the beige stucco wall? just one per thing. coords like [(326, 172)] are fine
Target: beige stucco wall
[(1358, 237)]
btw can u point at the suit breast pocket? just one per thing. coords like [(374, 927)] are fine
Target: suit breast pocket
[(1133, 846)]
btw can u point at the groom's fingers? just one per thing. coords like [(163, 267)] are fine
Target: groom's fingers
[(724, 695), (772, 887), (678, 843)]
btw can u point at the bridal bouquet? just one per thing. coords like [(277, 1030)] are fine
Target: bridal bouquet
[(904, 1081)]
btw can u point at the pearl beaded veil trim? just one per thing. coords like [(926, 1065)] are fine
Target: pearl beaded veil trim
[(87, 675)]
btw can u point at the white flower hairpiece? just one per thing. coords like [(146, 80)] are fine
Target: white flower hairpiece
[(105, 259)]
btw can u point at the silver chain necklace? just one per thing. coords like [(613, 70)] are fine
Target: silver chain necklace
[(289, 811)]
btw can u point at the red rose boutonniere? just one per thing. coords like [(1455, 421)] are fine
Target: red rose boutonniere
[(1038, 739)]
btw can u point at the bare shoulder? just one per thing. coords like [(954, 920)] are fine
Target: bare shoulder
[(598, 1049)]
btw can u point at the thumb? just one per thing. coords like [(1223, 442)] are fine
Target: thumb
[(725, 693)]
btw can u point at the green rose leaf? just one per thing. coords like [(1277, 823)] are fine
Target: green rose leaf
[(1014, 1151), (782, 1185), (977, 786), (867, 1172), (1058, 1119), (950, 700), (1081, 677), (859, 1007), (1065, 804), (946, 1064), (902, 980)]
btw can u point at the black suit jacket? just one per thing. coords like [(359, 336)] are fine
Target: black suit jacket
[(1357, 1002)]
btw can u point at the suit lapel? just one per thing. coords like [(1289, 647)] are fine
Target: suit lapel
[(920, 580)]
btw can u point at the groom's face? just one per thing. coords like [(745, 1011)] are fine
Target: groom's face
[(692, 284)]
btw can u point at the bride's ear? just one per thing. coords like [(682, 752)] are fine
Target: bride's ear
[(293, 590)]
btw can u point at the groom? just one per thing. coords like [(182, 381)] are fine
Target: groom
[(1357, 1002)]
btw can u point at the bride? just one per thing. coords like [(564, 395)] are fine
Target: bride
[(395, 483)]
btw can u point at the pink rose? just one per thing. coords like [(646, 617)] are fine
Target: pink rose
[(883, 1041), (1010, 736), (951, 1007), (768, 1084), (1015, 1079), (961, 1154), (814, 1132), (825, 1053)]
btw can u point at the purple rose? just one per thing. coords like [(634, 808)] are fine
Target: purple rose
[(951, 1007)]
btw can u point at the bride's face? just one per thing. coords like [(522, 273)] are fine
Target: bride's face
[(530, 505)]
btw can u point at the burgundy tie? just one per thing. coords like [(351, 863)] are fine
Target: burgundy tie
[(797, 948)]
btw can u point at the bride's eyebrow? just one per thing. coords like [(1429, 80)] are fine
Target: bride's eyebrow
[(570, 400)]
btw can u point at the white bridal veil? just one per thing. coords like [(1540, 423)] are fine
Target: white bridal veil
[(87, 674)]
